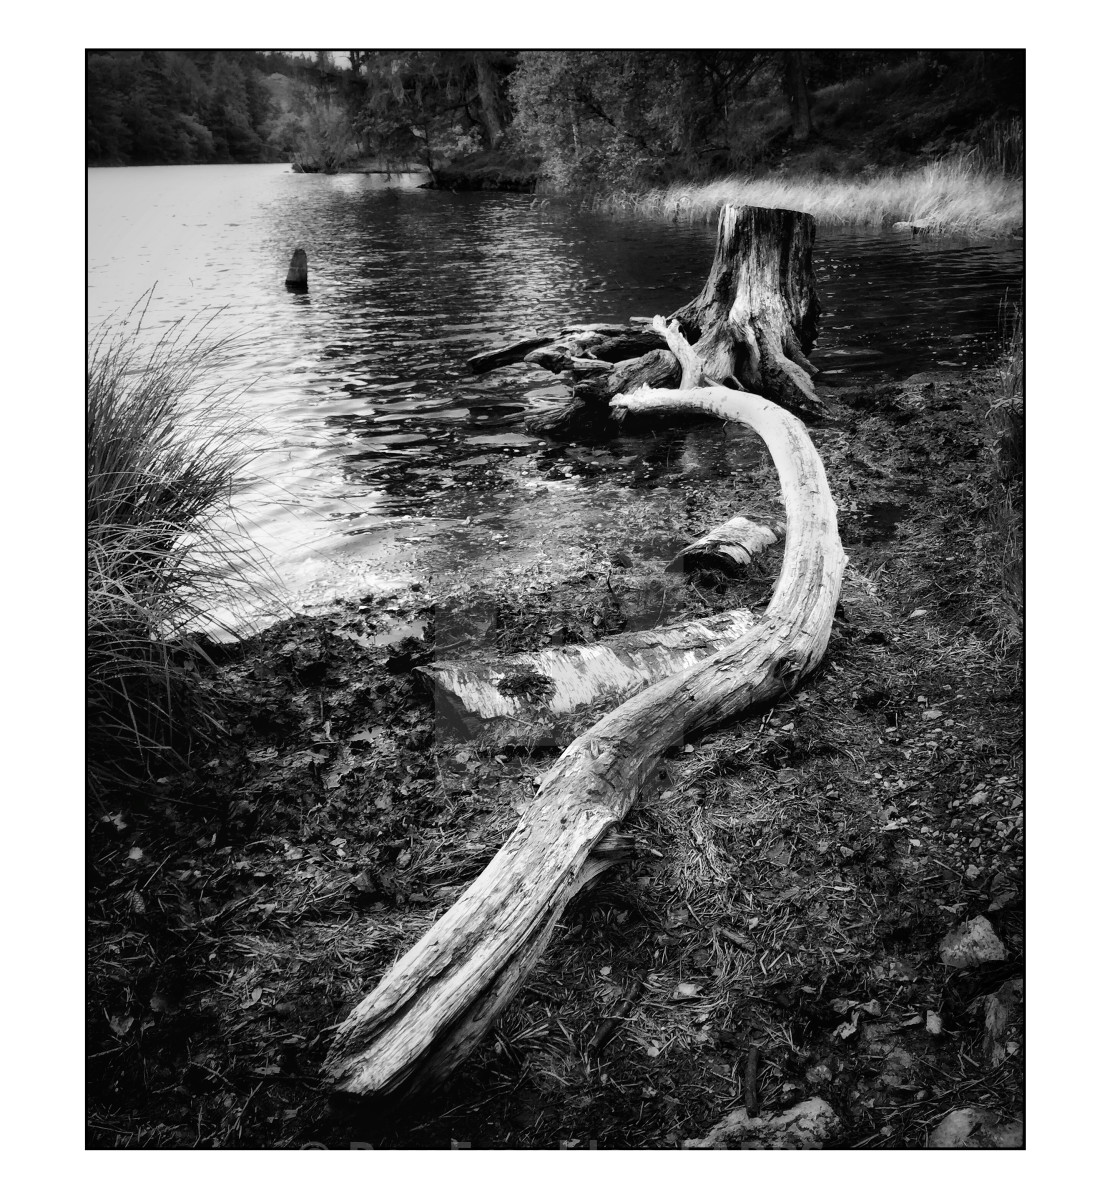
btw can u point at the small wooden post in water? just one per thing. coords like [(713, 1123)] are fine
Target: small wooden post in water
[(297, 272)]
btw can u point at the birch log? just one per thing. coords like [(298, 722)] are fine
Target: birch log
[(548, 697), (436, 1003)]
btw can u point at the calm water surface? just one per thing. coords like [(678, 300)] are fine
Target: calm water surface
[(380, 460)]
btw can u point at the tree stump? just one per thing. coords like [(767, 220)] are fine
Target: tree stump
[(750, 329), (756, 319), (297, 272)]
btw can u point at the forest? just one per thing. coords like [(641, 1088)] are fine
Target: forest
[(571, 119)]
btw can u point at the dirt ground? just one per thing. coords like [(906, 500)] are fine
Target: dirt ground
[(778, 929)]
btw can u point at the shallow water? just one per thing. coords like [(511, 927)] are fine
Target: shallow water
[(381, 460)]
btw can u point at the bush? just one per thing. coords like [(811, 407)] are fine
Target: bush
[(163, 453)]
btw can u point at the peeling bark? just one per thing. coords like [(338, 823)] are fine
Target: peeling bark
[(548, 697)]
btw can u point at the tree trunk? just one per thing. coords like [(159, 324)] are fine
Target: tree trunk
[(436, 1003), (488, 97), (797, 94), (549, 697), (756, 318)]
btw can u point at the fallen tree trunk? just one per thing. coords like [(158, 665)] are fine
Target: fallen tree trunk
[(504, 355), (436, 1002), (548, 697)]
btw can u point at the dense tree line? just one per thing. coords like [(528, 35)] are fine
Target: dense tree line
[(614, 117), (184, 106)]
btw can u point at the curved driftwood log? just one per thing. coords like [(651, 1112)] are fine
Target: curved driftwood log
[(438, 1000)]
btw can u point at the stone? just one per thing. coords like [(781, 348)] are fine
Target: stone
[(972, 943), (976, 1128), (807, 1126)]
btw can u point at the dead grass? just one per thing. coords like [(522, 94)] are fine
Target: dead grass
[(954, 196)]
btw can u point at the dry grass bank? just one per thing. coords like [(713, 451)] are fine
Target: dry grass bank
[(955, 197)]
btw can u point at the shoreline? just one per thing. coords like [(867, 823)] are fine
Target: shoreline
[(337, 822), (936, 199)]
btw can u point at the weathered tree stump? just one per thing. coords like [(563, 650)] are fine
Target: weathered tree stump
[(756, 318), (297, 272), (751, 328)]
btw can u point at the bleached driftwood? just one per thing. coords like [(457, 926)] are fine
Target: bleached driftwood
[(436, 1003)]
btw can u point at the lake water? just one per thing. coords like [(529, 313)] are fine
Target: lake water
[(381, 461)]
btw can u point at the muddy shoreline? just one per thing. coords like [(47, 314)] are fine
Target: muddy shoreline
[(795, 876)]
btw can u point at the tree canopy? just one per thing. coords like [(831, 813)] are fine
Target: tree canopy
[(614, 118)]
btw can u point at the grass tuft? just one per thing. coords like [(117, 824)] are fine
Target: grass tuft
[(163, 452)]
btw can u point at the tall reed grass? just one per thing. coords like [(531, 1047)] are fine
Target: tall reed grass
[(164, 449), (959, 195)]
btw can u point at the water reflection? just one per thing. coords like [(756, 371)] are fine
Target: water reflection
[(376, 444)]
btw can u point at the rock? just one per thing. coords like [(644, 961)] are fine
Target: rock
[(971, 943), (1000, 1011), (806, 1126), (976, 1128)]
